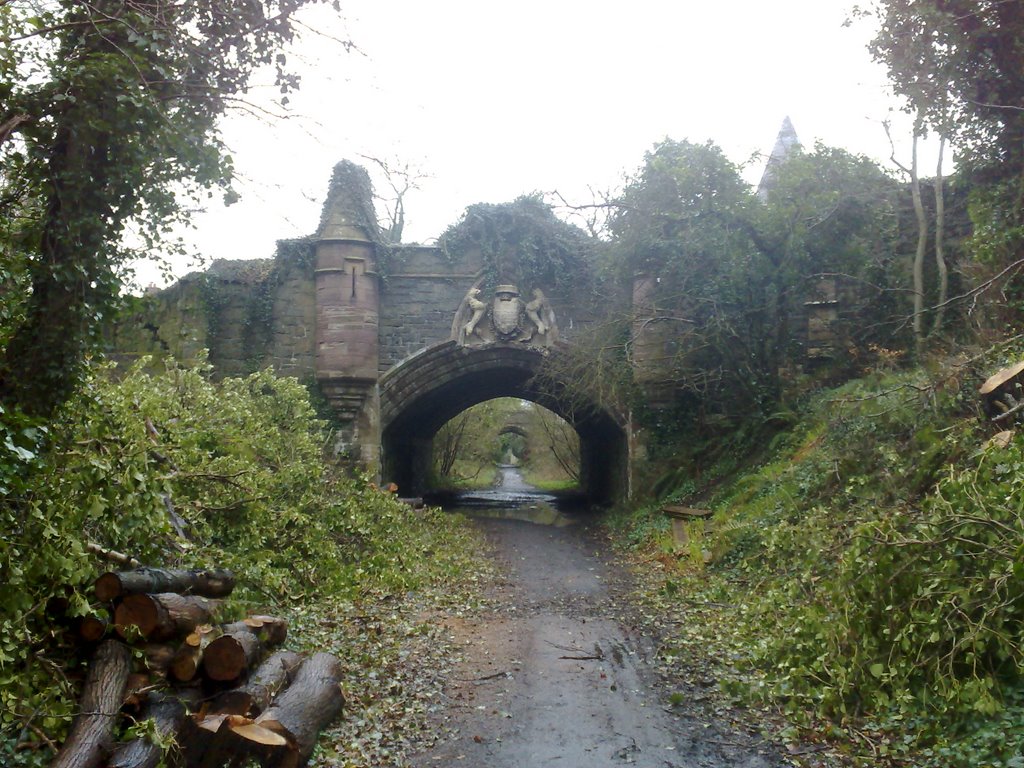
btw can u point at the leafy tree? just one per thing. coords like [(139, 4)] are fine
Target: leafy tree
[(469, 443), (958, 64), (733, 271), (911, 45), (107, 109), (553, 446)]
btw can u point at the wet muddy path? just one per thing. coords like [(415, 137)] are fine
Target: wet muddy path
[(554, 673)]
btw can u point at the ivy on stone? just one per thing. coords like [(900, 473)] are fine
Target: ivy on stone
[(526, 244)]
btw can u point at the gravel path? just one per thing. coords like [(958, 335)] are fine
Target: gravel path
[(554, 675)]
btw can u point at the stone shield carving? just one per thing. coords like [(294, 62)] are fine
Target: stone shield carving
[(507, 312), (506, 317)]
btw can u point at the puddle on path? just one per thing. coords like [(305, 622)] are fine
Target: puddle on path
[(512, 499)]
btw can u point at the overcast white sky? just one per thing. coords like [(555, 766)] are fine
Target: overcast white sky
[(497, 99)]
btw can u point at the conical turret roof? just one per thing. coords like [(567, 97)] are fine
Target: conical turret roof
[(785, 143)]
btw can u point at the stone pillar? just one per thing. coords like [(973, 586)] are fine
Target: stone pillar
[(347, 311), (654, 343)]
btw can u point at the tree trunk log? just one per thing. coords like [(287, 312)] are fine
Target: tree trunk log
[(92, 628), (136, 691), (189, 657), (206, 583), (92, 732), (306, 706), (158, 658), (163, 616), (168, 713), (222, 740), (1002, 392), (241, 645), (255, 696)]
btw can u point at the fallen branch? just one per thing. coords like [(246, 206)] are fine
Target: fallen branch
[(115, 557)]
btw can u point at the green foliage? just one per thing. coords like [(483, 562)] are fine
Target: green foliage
[(681, 217), (958, 59), (551, 449), (109, 110), (728, 273), (524, 243), (594, 373), (866, 575), (467, 447), (956, 63), (178, 470)]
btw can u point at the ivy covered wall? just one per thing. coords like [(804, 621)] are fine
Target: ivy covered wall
[(249, 314)]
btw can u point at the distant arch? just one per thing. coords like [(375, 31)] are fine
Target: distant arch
[(419, 395)]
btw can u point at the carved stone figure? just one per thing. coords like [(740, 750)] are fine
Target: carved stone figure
[(536, 310), (509, 318), (477, 308)]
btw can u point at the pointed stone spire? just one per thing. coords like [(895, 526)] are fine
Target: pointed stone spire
[(348, 211), (785, 143)]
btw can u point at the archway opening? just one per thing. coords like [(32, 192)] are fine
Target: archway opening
[(470, 449), (419, 396)]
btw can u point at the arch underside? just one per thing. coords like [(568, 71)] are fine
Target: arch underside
[(420, 395)]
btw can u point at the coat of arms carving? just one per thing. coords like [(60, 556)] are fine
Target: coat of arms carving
[(507, 312), (505, 318)]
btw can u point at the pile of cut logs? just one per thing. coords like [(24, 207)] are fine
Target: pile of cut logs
[(218, 692)]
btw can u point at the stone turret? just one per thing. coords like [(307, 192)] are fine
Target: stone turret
[(785, 144), (348, 310)]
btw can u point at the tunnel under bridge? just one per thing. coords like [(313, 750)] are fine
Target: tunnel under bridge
[(421, 394)]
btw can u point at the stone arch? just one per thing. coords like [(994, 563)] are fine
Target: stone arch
[(423, 392)]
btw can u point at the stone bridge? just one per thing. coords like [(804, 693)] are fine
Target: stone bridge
[(401, 350), (400, 339)]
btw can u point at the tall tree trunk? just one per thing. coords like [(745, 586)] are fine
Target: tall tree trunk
[(922, 236), (72, 282), (940, 247)]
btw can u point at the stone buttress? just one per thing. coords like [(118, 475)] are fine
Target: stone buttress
[(348, 310)]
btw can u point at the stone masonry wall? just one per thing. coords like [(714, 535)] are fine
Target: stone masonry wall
[(248, 314), (423, 291), (254, 313)]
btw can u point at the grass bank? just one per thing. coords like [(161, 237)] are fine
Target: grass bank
[(865, 580)]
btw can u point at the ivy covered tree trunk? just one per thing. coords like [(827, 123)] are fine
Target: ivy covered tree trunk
[(108, 112), (922, 237), (71, 284), (940, 249)]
